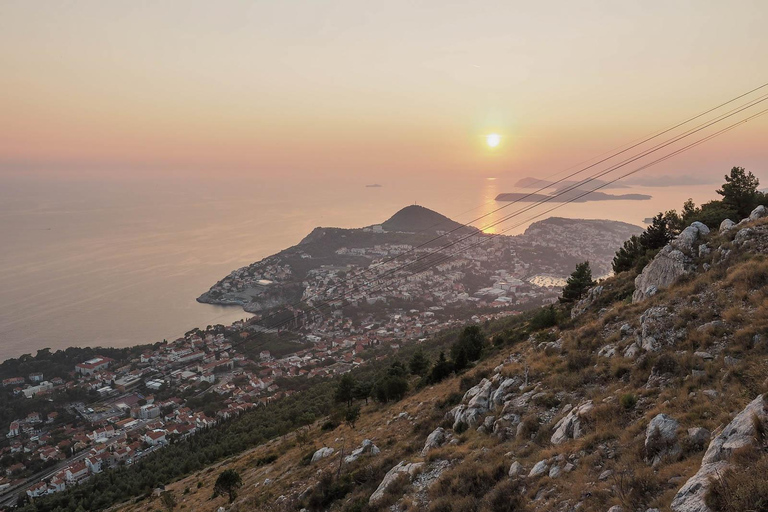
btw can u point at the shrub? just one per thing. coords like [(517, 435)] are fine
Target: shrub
[(628, 401)]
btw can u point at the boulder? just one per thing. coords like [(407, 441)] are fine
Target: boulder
[(758, 213), (539, 469), (505, 388), (674, 260), (661, 438), (616, 508), (516, 469), (403, 468), (366, 448), (589, 299), (434, 440), (726, 225), (322, 453), (739, 433), (555, 471), (569, 427), (691, 496)]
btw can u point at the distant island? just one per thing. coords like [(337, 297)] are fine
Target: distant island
[(575, 196), (373, 185)]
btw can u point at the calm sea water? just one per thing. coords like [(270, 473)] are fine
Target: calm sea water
[(103, 263)]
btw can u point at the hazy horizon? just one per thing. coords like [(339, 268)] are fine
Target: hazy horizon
[(100, 90)]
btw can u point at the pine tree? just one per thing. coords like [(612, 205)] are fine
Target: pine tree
[(740, 191), (345, 391), (419, 364), (227, 483), (578, 284)]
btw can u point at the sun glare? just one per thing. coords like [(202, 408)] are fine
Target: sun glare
[(493, 139)]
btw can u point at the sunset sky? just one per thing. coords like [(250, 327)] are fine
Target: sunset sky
[(253, 89)]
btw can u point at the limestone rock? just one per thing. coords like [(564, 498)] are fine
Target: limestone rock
[(673, 261), (434, 440), (661, 438), (690, 497), (569, 427), (403, 468), (516, 469), (758, 213), (539, 469), (589, 299), (555, 471), (726, 225), (322, 453), (738, 433), (366, 448), (505, 388)]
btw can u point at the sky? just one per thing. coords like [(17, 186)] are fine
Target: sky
[(289, 89)]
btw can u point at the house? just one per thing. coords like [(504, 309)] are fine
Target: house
[(94, 463), (43, 387), (37, 490), (58, 482), (92, 366), (13, 430), (13, 381), (36, 377), (76, 472), (155, 437), (102, 434), (34, 417)]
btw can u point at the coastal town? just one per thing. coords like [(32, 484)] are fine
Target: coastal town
[(141, 404), (104, 412)]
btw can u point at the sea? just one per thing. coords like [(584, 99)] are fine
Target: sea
[(119, 262)]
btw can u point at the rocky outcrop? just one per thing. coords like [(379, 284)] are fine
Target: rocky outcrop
[(726, 226), (661, 438), (435, 440), (739, 433), (589, 299), (322, 453), (570, 427), (403, 468), (540, 468), (471, 414), (673, 261), (366, 448)]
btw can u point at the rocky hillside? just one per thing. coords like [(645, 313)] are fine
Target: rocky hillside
[(650, 398)]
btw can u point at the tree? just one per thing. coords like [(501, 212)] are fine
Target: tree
[(740, 191), (345, 392), (419, 363), (352, 415), (169, 500), (471, 342), (442, 369), (363, 390), (578, 284), (658, 234), (626, 258), (227, 483)]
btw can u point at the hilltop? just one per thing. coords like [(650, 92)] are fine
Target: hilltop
[(415, 219)]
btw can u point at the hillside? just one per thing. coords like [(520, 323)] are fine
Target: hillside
[(648, 396), (333, 261), (415, 218)]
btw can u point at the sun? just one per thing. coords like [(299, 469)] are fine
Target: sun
[(493, 139)]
